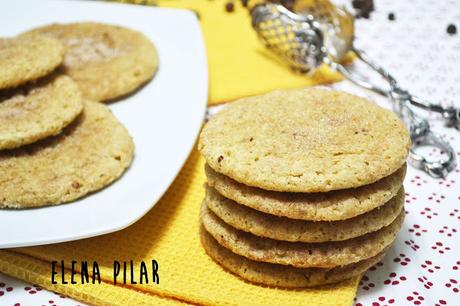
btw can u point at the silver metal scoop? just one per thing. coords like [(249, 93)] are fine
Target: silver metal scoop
[(324, 34)]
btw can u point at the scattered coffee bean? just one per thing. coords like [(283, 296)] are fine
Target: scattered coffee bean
[(363, 7), (244, 3), (452, 29), (289, 4), (391, 16), (365, 15), (356, 4), (229, 7)]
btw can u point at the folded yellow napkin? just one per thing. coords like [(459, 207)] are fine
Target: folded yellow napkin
[(239, 64), (169, 233)]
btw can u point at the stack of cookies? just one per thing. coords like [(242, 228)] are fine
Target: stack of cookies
[(304, 187), (57, 142)]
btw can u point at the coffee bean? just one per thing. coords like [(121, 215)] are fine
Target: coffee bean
[(229, 7), (357, 4), (363, 8), (391, 16), (451, 29), (289, 4)]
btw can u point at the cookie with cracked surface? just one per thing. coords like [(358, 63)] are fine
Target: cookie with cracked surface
[(89, 154), (25, 59), (300, 254), (305, 140), (280, 275), (320, 206), (37, 111), (280, 228), (106, 61)]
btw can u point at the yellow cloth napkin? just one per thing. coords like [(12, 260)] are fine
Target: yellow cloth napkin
[(239, 64), (169, 233)]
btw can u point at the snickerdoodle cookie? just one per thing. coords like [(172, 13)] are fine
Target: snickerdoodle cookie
[(280, 275), (24, 59), (38, 110), (89, 154), (106, 61), (281, 228), (305, 140)]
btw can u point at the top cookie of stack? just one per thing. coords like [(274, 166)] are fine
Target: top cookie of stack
[(302, 182), (305, 141), (56, 144)]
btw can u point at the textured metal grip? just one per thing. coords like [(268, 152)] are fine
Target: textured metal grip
[(294, 38)]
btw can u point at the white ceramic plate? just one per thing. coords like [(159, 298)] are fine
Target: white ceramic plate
[(164, 118)]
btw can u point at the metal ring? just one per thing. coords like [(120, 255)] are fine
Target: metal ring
[(435, 169)]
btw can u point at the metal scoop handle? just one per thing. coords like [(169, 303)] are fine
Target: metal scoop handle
[(450, 115), (419, 128)]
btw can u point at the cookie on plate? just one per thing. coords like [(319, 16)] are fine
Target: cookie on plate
[(24, 59), (280, 228), (89, 154), (280, 275), (305, 140), (300, 254), (106, 61), (38, 110), (321, 206)]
